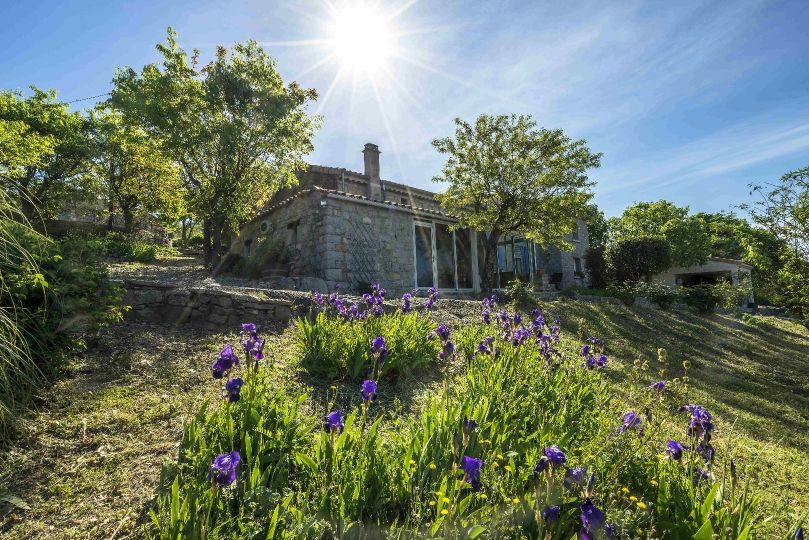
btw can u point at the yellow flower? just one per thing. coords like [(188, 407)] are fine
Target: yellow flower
[(432, 503), (444, 512), (412, 462), (445, 500), (653, 482), (516, 500), (633, 498), (483, 496), (499, 456), (432, 466), (508, 468), (333, 387), (484, 441), (439, 493), (495, 464), (625, 489), (641, 504)]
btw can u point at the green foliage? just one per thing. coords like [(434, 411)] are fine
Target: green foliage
[(236, 130), (389, 475), (597, 227), (596, 263), (332, 347), (657, 293), (623, 292), (508, 177), (116, 246), (704, 298), (54, 294), (688, 239), (521, 294), (267, 254), (137, 179), (45, 151), (634, 259)]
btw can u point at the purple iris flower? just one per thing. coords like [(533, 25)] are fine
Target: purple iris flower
[(432, 298), (442, 332), (551, 513), (658, 386), (701, 423), (574, 477), (233, 388), (471, 468), (520, 337), (602, 360), (223, 470), (631, 420), (543, 463), (536, 312), (368, 390), (698, 475), (585, 350), (799, 534), (487, 316), (448, 350), (469, 425), (224, 362), (706, 451), (592, 518), (555, 455), (485, 345), (674, 449), (379, 349), (318, 298), (249, 328), (335, 421), (407, 300)]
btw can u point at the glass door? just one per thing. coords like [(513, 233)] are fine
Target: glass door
[(424, 255)]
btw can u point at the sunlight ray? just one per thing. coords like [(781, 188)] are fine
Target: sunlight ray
[(408, 97), (386, 123), (315, 66), (295, 43), (329, 91), (404, 7)]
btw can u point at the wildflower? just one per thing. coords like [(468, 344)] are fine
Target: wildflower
[(248, 328), (471, 468), (536, 312), (674, 449), (516, 500), (318, 298), (706, 451), (574, 477), (658, 386), (602, 360), (653, 482), (517, 320), (555, 455), (335, 421), (251, 342), (368, 390), (224, 362), (448, 350), (508, 468), (625, 489), (444, 512), (432, 298), (799, 534), (233, 388), (641, 505), (379, 349), (223, 469), (551, 513), (630, 420), (487, 316), (633, 498), (432, 466), (592, 518), (542, 465), (407, 300), (701, 424), (698, 475), (469, 426), (445, 500), (519, 337), (442, 332)]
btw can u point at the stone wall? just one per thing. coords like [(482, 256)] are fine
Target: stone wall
[(167, 304)]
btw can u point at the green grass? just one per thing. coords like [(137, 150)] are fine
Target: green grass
[(101, 440)]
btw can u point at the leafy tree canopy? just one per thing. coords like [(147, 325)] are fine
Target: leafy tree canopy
[(44, 151), (506, 176), (236, 130), (687, 236), (130, 169), (634, 259)]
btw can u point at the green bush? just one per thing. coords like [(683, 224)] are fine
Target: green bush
[(333, 347), (521, 294), (657, 293), (596, 264), (637, 259), (625, 293), (118, 246), (267, 254), (703, 298)]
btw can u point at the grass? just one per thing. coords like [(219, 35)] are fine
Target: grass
[(107, 429)]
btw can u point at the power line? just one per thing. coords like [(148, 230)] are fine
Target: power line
[(91, 97)]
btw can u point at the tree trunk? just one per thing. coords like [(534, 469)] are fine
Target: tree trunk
[(489, 263), (129, 220), (184, 224), (111, 217), (206, 242)]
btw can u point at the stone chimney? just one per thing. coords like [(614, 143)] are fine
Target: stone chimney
[(371, 157)]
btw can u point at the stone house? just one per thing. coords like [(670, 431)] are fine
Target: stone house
[(716, 269), (352, 229)]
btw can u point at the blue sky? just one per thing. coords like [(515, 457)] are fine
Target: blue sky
[(688, 101)]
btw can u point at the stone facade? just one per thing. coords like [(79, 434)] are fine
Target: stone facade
[(353, 229)]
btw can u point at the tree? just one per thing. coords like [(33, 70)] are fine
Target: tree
[(49, 163), (237, 132), (784, 210), (597, 227), (634, 259), (687, 236), (137, 179), (507, 177)]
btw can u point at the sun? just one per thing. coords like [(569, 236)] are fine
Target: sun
[(362, 39)]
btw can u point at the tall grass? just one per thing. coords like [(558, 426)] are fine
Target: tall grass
[(19, 374)]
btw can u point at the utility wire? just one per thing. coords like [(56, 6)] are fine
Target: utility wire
[(91, 97)]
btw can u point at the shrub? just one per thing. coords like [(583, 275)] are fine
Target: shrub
[(117, 246), (596, 264), (625, 293), (268, 254), (703, 298), (657, 293), (520, 293), (636, 259)]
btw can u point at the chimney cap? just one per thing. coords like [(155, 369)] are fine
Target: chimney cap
[(371, 147)]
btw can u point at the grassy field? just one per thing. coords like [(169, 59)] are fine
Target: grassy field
[(90, 463)]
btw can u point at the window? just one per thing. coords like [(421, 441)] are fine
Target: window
[(292, 234), (577, 265), (575, 233)]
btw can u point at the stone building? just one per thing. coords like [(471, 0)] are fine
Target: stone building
[(715, 269), (352, 229)]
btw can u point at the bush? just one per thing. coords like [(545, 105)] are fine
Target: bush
[(703, 298), (372, 472), (637, 259), (657, 293), (521, 294), (117, 246), (269, 254), (624, 293), (596, 264)]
